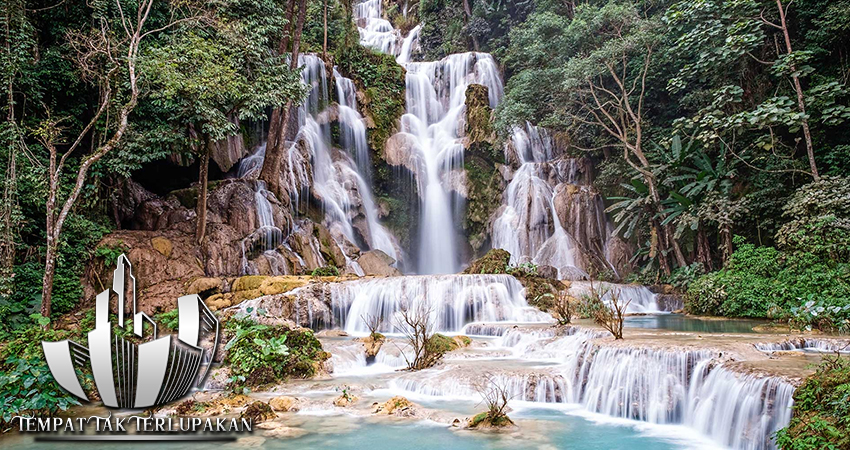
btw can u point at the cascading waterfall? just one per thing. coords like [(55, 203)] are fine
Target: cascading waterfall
[(353, 138), (806, 344), (338, 182), (453, 301), (435, 94), (528, 225), (640, 299), (655, 386)]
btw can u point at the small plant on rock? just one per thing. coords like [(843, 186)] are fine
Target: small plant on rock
[(563, 308), (605, 307), (495, 395)]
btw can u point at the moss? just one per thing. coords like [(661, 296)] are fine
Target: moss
[(495, 261), (484, 194), (485, 420), (382, 80), (440, 344), (821, 410), (479, 127)]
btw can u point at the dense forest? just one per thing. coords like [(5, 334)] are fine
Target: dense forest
[(715, 132)]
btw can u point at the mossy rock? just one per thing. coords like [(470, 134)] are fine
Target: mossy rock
[(484, 420), (258, 412), (219, 301), (495, 261), (479, 127), (205, 286), (247, 283)]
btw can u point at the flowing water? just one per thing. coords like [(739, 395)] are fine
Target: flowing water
[(570, 386)]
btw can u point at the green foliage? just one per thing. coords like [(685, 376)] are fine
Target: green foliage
[(169, 320), (264, 354), (819, 220), (821, 410), (439, 344), (26, 385), (765, 282), (381, 79), (325, 271), (526, 269)]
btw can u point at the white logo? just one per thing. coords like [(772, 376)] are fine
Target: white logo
[(138, 371)]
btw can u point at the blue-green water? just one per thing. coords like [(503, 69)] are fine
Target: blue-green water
[(678, 322), (537, 429)]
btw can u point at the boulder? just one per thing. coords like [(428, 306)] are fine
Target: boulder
[(345, 400), (258, 412), (285, 403), (376, 262), (397, 406)]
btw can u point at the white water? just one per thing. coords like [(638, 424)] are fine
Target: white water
[(453, 300), (640, 299), (528, 225), (435, 95), (806, 344), (313, 167)]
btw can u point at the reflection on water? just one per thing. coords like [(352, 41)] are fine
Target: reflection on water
[(678, 322)]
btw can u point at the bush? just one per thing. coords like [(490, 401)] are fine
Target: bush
[(26, 385), (764, 282), (821, 410), (262, 354), (325, 271)]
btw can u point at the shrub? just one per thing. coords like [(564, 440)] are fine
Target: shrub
[(325, 271), (264, 354), (26, 385), (764, 282), (821, 410)]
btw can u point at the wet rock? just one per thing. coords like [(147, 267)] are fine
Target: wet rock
[(397, 406), (281, 431), (282, 284), (669, 302), (258, 412), (478, 114), (372, 344), (494, 261), (376, 262), (547, 272), (228, 151), (402, 150), (345, 400), (285, 404)]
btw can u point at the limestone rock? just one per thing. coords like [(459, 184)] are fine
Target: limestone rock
[(162, 245), (219, 301), (397, 406), (345, 400), (205, 286), (258, 412), (376, 262), (285, 404), (281, 284)]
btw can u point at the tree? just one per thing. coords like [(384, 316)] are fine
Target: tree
[(107, 56), (275, 146), (608, 86), (225, 72), (606, 309), (563, 308)]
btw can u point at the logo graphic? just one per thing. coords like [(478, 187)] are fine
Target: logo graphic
[(137, 371)]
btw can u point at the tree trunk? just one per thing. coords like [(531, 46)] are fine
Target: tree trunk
[(203, 179), (325, 43), (270, 172), (49, 273), (801, 102), (703, 249), (726, 235)]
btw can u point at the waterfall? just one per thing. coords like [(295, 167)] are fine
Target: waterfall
[(435, 94), (453, 301), (313, 167), (807, 344), (650, 385), (353, 139), (528, 225), (640, 298)]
